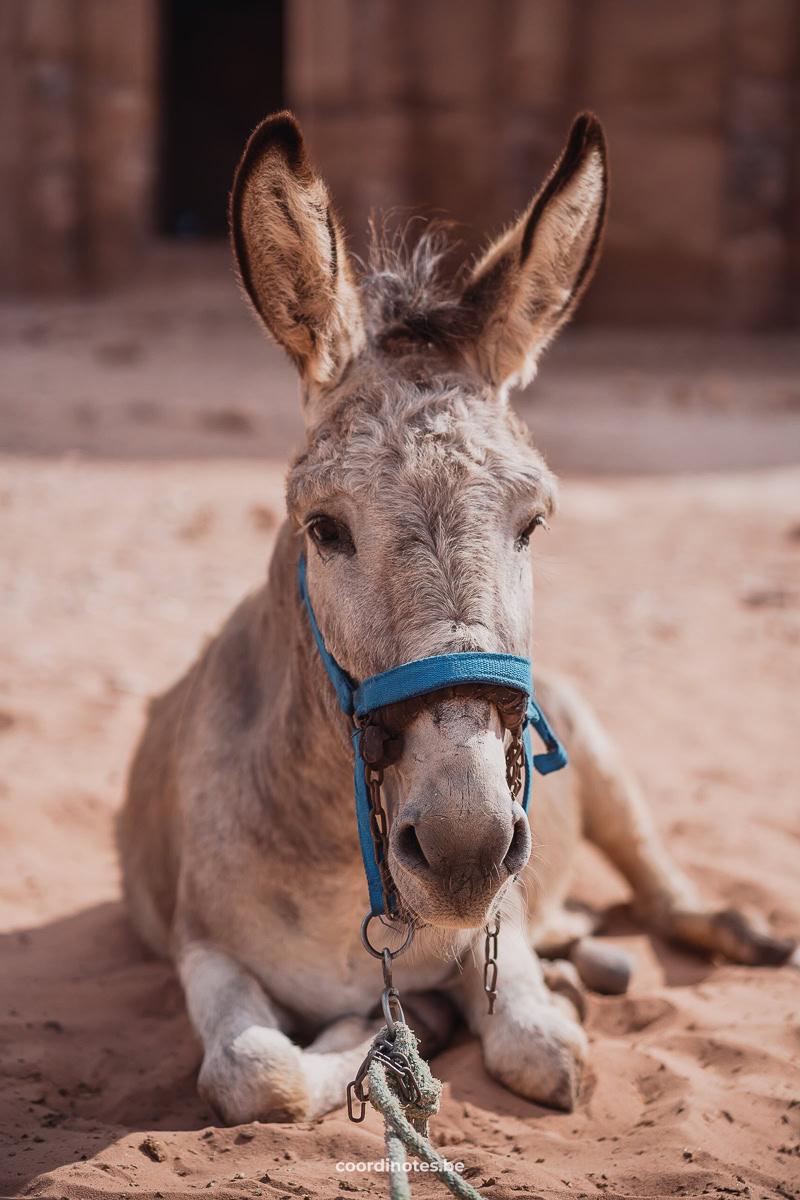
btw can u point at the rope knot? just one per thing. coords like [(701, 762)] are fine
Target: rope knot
[(405, 1093), (425, 1089)]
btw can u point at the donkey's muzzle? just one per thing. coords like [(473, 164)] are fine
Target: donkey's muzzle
[(458, 834), (450, 855)]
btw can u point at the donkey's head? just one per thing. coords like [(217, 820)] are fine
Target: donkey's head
[(418, 490)]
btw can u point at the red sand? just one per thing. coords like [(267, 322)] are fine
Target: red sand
[(676, 605)]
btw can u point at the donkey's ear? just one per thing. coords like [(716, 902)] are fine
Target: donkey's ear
[(529, 281), (290, 253)]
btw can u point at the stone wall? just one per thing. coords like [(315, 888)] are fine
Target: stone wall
[(77, 100), (463, 106), (454, 106)]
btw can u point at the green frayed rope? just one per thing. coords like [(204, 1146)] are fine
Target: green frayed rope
[(407, 1124)]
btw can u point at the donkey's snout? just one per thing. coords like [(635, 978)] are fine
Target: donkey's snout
[(463, 853), (455, 833)]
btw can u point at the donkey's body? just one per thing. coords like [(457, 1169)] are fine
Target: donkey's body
[(413, 498)]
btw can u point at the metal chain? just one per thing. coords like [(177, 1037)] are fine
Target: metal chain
[(384, 1050), (515, 764), (379, 828), (490, 963)]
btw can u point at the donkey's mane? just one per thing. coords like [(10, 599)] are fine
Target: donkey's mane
[(408, 294)]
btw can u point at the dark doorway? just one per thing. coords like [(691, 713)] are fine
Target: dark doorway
[(221, 72)]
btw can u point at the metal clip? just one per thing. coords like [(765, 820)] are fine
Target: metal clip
[(355, 1089), (360, 1098)]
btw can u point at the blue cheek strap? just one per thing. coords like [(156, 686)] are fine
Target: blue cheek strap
[(417, 678)]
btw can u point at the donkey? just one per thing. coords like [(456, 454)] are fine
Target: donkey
[(413, 498)]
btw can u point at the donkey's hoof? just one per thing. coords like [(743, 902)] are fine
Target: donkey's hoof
[(601, 967), (258, 1078), (729, 932), (740, 941), (541, 1058)]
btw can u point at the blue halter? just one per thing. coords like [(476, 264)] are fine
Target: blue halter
[(417, 678)]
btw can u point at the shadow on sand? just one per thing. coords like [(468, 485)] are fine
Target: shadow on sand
[(95, 1044)]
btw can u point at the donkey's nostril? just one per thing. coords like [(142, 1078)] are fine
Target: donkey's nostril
[(519, 851), (408, 849)]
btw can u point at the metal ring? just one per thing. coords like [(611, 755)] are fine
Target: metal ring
[(389, 997), (379, 953)]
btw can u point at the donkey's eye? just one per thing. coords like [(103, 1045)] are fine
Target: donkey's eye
[(330, 534), (525, 536)]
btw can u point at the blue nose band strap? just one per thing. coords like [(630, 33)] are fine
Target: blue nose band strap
[(417, 678)]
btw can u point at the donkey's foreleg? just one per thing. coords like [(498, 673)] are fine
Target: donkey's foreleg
[(251, 1070), (530, 1043), (617, 819)]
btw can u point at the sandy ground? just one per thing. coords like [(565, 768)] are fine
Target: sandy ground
[(673, 600)]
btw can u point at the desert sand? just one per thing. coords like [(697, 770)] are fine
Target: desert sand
[(139, 498)]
